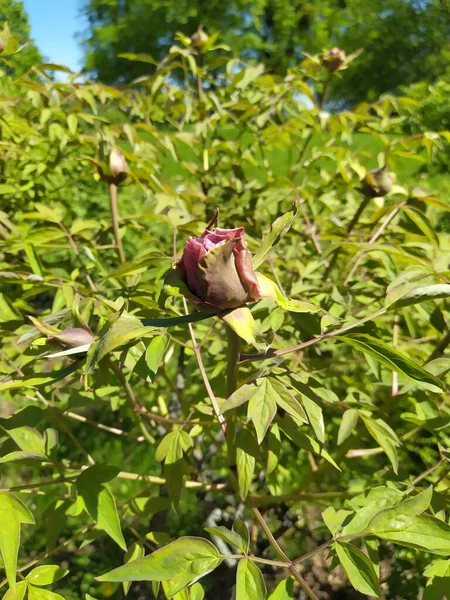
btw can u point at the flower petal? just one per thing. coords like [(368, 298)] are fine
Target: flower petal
[(223, 285)]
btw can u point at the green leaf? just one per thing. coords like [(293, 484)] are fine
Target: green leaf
[(17, 513), (269, 289), (438, 568), (21, 588), (273, 448), (7, 189), (134, 552), (358, 568), (182, 562), (315, 417), (240, 397), (250, 584), (417, 294), (8, 313), (232, 538), (334, 519), (393, 359), (290, 428), (155, 353), (35, 593), (347, 425), (46, 575), (21, 455), (277, 231), (262, 408), (99, 501), (410, 507), (242, 322), (369, 506), (128, 328), (246, 452), (173, 445), (287, 401), (241, 529), (284, 590), (38, 380), (28, 440), (125, 329), (423, 532), (385, 436), (423, 223)]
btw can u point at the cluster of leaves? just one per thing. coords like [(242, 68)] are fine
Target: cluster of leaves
[(324, 370)]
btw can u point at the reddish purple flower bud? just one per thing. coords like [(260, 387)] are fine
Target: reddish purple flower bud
[(73, 337), (333, 59), (217, 268)]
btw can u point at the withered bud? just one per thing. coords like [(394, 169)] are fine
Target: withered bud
[(333, 59), (377, 182), (118, 166), (199, 38), (72, 337)]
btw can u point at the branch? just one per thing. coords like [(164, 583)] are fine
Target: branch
[(208, 387), (302, 345)]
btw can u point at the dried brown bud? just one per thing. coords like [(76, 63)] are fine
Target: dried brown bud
[(377, 182), (199, 38), (118, 166), (333, 59)]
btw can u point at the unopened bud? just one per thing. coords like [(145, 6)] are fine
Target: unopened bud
[(2, 44), (73, 337), (199, 38), (377, 182), (333, 59), (118, 166)]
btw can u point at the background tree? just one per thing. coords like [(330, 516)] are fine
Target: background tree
[(403, 42), (13, 12)]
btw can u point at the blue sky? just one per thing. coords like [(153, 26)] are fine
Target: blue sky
[(53, 26)]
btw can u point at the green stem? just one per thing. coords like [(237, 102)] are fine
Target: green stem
[(364, 202), (115, 220), (234, 348)]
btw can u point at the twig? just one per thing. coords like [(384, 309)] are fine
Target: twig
[(289, 564), (113, 430), (132, 400), (374, 238), (395, 334), (73, 437), (77, 254), (115, 220), (302, 345), (208, 387), (349, 229), (37, 484)]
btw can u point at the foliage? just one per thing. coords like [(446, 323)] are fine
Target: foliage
[(432, 111), (403, 42), (312, 422), (13, 12)]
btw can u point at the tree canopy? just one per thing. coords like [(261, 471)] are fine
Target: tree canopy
[(13, 12), (403, 41)]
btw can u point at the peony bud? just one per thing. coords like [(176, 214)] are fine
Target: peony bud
[(199, 38), (73, 337), (333, 59), (377, 182), (217, 269), (118, 166)]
